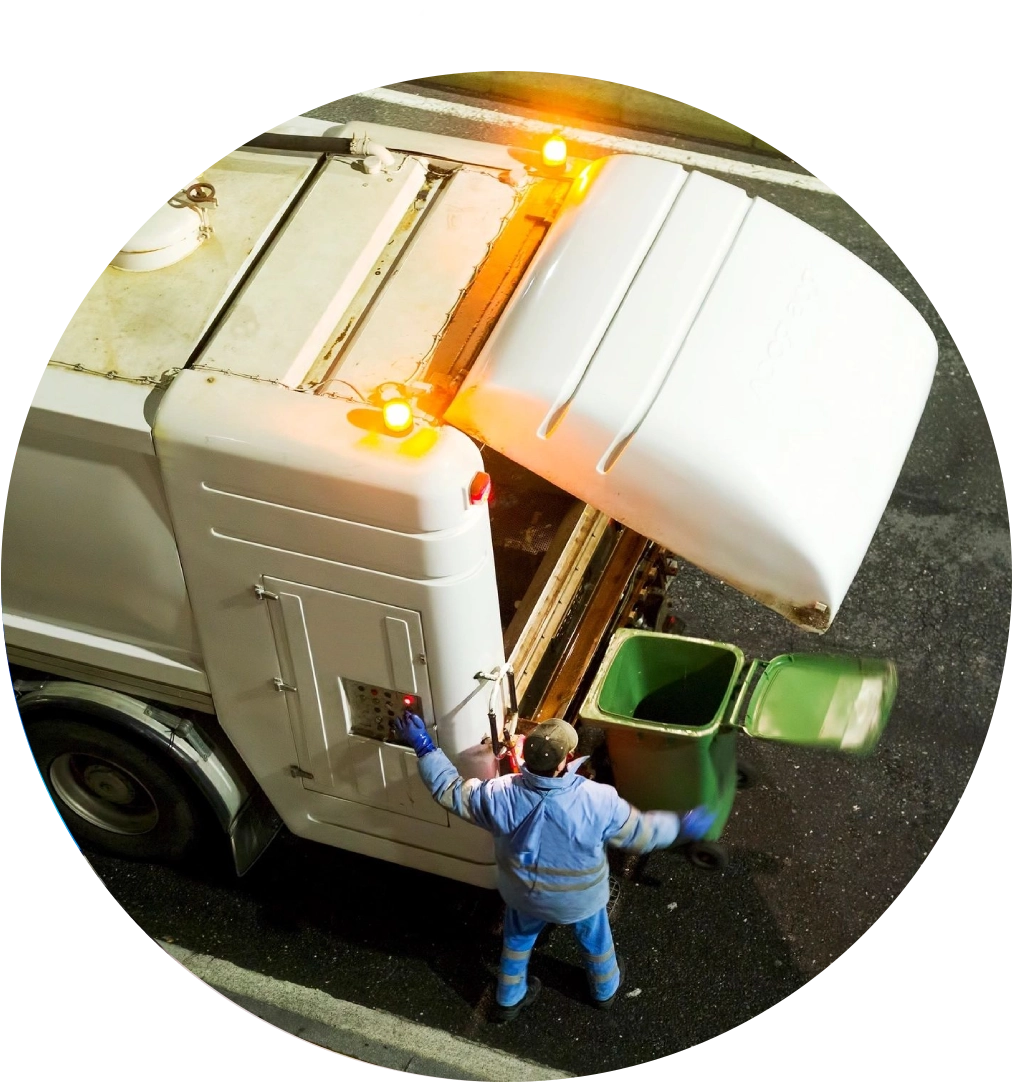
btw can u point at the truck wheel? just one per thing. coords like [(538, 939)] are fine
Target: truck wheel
[(113, 792), (709, 856)]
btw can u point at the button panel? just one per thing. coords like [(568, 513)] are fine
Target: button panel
[(372, 709)]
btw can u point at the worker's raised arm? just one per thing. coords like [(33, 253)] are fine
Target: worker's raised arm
[(640, 832), (440, 776)]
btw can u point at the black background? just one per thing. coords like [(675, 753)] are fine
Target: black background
[(90, 990)]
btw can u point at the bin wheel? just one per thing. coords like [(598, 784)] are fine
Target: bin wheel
[(709, 856), (748, 776)]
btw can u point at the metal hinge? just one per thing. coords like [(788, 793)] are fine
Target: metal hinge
[(282, 686), (264, 595), (298, 772)]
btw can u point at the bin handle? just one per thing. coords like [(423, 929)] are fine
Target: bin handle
[(746, 686)]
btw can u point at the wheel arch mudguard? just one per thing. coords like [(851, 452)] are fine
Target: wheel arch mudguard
[(239, 805)]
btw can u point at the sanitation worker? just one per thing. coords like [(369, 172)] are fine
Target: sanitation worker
[(551, 826)]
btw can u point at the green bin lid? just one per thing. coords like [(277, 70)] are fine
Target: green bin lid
[(832, 702)]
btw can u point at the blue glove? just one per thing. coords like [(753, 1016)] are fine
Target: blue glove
[(411, 729), (696, 824)]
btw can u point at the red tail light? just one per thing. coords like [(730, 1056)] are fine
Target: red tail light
[(481, 488)]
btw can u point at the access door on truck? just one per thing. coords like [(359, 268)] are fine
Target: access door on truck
[(347, 667)]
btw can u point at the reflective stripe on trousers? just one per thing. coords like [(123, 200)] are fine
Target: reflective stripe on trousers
[(520, 932)]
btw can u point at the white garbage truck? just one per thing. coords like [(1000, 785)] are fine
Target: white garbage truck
[(365, 419)]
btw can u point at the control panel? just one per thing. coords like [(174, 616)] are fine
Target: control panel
[(372, 709)]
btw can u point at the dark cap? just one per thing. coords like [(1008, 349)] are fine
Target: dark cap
[(549, 744)]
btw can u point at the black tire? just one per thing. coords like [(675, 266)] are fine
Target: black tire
[(709, 856), (114, 792), (747, 776)]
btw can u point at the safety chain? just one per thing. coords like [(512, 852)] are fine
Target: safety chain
[(241, 375), (170, 374), (164, 378), (277, 383)]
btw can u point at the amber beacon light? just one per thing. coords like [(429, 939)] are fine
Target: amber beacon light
[(553, 152), (398, 415)]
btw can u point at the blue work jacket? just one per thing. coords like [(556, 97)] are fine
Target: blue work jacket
[(550, 834)]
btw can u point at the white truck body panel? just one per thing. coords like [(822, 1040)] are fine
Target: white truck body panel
[(91, 569), (292, 302), (339, 721), (400, 330), (265, 486), (714, 373), (375, 537), (138, 325), (92, 580), (244, 536)]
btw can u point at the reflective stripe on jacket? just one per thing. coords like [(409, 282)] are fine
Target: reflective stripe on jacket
[(550, 834)]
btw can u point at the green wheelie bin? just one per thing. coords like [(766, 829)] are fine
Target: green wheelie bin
[(672, 709)]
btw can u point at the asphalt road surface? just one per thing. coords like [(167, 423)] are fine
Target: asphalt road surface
[(817, 852)]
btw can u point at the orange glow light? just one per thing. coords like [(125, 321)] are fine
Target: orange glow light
[(397, 415), (580, 183), (554, 152)]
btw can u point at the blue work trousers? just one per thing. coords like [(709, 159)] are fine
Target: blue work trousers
[(520, 932)]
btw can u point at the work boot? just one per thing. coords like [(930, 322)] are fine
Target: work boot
[(507, 1014), (607, 1004)]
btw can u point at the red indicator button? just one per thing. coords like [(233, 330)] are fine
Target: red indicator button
[(481, 488)]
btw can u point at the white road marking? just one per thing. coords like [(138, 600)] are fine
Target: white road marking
[(449, 33), (353, 1030), (611, 143)]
